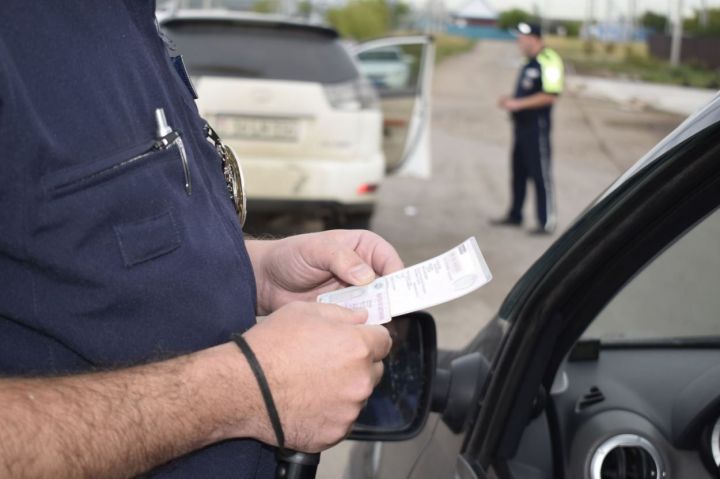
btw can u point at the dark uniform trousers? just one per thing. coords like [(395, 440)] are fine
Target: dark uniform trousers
[(531, 161)]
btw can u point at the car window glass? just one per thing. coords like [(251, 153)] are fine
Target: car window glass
[(231, 49), (380, 56), (396, 73), (676, 295), (392, 69), (698, 121)]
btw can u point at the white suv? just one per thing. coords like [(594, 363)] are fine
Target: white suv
[(289, 98)]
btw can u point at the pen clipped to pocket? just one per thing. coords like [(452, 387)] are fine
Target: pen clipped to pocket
[(166, 138)]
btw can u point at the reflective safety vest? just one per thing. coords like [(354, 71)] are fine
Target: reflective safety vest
[(542, 73)]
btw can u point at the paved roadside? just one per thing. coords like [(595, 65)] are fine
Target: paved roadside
[(669, 98), (594, 141)]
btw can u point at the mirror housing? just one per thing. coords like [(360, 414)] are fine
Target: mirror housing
[(400, 404), (456, 389)]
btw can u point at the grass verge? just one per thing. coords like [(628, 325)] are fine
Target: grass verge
[(631, 61), (447, 46)]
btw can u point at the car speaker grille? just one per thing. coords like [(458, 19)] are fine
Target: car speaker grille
[(594, 396)]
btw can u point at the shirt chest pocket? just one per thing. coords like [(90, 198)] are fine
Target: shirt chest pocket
[(530, 80), (119, 210)]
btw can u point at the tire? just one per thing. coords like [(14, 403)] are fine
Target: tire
[(358, 221), (349, 221)]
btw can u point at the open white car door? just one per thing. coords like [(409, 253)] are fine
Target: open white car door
[(401, 70)]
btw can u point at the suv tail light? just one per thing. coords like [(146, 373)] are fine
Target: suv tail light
[(354, 95)]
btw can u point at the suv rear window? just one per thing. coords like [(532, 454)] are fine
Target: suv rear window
[(278, 53)]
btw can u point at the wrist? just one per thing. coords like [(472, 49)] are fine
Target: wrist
[(229, 385), (258, 251), (262, 382)]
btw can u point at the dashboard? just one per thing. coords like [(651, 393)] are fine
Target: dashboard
[(622, 412), (639, 412)]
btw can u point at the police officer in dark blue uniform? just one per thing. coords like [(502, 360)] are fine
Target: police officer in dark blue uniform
[(124, 272), (538, 85)]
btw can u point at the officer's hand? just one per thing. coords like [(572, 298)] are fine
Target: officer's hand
[(510, 104), (322, 364), (300, 267), (502, 101)]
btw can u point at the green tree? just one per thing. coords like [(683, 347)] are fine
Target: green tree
[(400, 12), (707, 23), (510, 18), (361, 19), (572, 27), (654, 21), (265, 6), (305, 8)]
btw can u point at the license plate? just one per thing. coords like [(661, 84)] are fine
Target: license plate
[(258, 129)]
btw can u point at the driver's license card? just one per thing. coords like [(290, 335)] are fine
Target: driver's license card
[(438, 280)]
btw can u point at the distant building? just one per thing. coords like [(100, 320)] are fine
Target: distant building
[(476, 13), (476, 19), (614, 32)]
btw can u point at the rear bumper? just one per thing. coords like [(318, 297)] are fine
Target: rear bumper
[(310, 182)]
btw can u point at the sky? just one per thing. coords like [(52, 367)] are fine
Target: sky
[(577, 9)]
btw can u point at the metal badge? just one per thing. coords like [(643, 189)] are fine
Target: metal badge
[(232, 172)]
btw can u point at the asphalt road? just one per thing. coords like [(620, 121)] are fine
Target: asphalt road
[(594, 141)]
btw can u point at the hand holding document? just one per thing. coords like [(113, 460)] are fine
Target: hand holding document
[(435, 281)]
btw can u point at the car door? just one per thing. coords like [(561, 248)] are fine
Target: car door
[(565, 395), (611, 364), (401, 70)]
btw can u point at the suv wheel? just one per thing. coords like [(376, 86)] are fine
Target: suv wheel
[(350, 221)]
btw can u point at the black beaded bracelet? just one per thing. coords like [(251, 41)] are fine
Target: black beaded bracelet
[(264, 388)]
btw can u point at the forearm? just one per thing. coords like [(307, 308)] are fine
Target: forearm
[(121, 423), (537, 100)]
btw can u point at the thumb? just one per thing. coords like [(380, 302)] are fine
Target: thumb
[(340, 260), (350, 267)]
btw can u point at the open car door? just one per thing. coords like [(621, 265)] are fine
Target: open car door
[(401, 70)]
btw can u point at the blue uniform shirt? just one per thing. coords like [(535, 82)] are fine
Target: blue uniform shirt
[(105, 260), (541, 74)]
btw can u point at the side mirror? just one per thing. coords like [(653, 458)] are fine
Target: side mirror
[(400, 404)]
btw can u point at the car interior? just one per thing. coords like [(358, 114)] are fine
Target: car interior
[(641, 398)]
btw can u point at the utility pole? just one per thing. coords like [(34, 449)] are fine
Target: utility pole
[(434, 16), (590, 27), (607, 30), (632, 16), (677, 33), (703, 14)]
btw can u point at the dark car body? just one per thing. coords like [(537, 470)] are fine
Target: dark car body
[(560, 402)]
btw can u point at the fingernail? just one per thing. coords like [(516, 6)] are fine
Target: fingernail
[(362, 273)]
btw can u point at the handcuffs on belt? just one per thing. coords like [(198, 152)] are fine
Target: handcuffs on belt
[(232, 172)]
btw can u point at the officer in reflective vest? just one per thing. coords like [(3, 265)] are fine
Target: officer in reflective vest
[(538, 85)]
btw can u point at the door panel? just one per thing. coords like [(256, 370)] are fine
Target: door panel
[(639, 395), (658, 354), (401, 70)]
